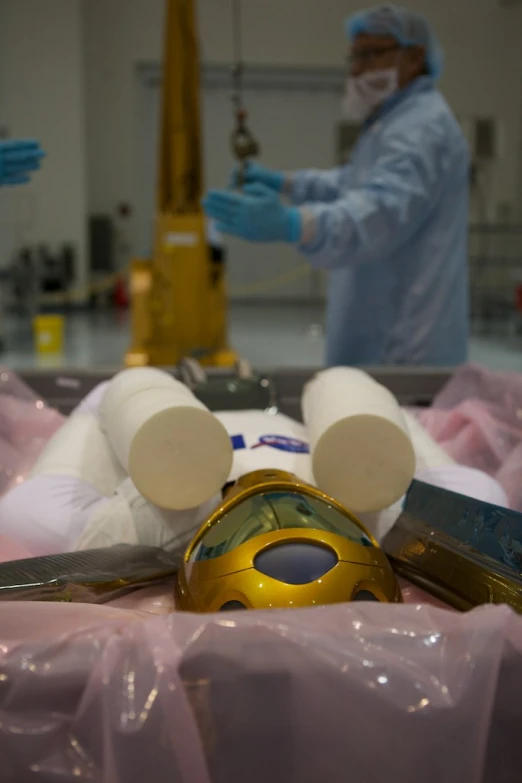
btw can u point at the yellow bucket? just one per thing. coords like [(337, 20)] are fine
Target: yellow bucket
[(48, 333)]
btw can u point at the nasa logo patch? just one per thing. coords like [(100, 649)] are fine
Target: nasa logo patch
[(279, 442)]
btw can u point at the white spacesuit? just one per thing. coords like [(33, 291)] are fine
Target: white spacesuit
[(79, 495)]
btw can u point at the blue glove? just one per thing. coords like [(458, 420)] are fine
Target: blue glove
[(19, 158), (254, 173), (255, 214)]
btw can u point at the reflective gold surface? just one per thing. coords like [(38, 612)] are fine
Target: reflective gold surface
[(206, 585), (449, 574)]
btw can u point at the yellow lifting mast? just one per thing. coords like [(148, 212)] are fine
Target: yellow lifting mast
[(179, 302)]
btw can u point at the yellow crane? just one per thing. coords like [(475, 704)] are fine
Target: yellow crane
[(179, 302)]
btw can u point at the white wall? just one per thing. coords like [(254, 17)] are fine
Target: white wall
[(480, 36), (118, 34), (43, 98)]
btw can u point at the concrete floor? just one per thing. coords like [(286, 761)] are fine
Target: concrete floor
[(275, 336)]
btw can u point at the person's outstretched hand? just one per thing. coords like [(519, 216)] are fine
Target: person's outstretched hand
[(258, 174), (19, 159), (255, 214)]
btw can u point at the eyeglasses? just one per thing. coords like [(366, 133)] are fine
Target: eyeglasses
[(367, 55)]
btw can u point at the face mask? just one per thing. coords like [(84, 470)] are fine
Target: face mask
[(367, 92)]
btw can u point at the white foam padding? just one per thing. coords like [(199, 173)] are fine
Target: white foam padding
[(362, 454), (455, 478), (127, 518), (267, 440), (80, 449), (47, 514), (428, 453), (466, 481), (379, 523), (176, 452)]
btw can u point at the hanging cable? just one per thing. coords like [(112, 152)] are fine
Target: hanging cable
[(238, 55), (244, 145)]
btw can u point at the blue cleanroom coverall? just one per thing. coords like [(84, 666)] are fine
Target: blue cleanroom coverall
[(392, 226)]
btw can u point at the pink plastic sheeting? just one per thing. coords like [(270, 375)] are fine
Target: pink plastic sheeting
[(11, 550), (411, 594), (26, 424), (477, 419), (348, 692), (152, 600)]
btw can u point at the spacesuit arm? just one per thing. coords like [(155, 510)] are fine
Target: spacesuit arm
[(313, 185), (377, 218)]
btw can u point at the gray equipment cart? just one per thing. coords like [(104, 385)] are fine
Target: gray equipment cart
[(63, 389)]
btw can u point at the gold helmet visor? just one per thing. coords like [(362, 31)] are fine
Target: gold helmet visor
[(279, 542)]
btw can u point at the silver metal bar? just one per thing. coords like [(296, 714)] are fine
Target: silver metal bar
[(260, 77)]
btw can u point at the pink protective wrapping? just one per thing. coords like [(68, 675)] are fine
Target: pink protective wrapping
[(348, 692), (477, 419), (11, 550), (26, 424)]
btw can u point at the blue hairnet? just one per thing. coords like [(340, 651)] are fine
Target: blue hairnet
[(407, 27)]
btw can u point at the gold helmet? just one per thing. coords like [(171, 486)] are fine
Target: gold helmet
[(277, 542)]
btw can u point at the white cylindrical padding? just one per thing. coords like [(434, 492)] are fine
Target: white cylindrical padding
[(176, 452), (80, 449), (428, 453), (361, 449)]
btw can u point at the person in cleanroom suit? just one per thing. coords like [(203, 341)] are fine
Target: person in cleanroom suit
[(391, 225)]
